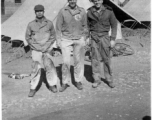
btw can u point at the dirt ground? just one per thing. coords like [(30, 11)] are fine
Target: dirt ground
[(129, 100)]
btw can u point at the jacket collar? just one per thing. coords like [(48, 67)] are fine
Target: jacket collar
[(43, 19), (93, 9), (44, 22), (93, 12), (76, 8)]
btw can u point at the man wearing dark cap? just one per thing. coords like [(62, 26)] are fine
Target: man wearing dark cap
[(100, 19), (71, 29), (40, 35)]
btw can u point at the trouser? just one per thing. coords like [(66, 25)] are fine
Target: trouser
[(101, 52), (43, 70), (78, 56)]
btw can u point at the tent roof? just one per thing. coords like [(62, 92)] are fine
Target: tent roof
[(139, 8)]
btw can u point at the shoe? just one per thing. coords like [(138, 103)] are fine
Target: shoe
[(79, 85), (110, 84), (53, 88), (96, 83), (31, 93), (63, 87)]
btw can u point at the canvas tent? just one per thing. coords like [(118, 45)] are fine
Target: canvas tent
[(15, 26), (138, 10)]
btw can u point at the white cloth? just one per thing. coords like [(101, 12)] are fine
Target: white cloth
[(119, 33)]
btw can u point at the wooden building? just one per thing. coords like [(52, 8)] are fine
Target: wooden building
[(8, 7)]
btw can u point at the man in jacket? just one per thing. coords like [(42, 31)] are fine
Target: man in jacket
[(71, 29), (40, 35), (100, 19)]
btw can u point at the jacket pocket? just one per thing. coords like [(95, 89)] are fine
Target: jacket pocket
[(106, 23)]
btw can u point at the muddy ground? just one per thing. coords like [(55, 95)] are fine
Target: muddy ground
[(129, 100)]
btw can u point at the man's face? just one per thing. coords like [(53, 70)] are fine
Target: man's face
[(39, 14), (72, 3), (97, 3)]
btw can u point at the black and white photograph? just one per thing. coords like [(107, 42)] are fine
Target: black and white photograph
[(76, 59)]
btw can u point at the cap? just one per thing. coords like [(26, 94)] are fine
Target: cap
[(39, 7)]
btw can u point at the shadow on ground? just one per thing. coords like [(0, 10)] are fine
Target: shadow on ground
[(87, 73)]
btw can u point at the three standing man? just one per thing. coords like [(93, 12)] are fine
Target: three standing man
[(73, 27)]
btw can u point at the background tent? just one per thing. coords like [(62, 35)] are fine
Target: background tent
[(138, 10), (15, 26), (141, 10), (133, 13)]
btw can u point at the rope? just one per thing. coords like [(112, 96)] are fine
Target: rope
[(146, 25), (133, 25)]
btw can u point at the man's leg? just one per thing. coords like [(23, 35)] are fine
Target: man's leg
[(66, 54), (105, 53), (96, 64), (78, 56), (51, 74), (36, 75)]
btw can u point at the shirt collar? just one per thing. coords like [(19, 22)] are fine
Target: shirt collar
[(95, 10), (44, 19), (76, 8)]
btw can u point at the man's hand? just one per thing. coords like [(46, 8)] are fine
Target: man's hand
[(87, 42), (58, 43), (30, 41), (84, 38), (112, 43)]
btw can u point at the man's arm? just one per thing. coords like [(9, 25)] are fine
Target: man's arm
[(52, 37), (91, 36), (28, 35), (52, 33), (88, 26), (85, 25), (113, 23), (59, 23)]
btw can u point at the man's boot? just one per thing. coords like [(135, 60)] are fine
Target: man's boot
[(53, 88), (31, 93), (110, 83), (96, 83), (63, 87), (79, 85)]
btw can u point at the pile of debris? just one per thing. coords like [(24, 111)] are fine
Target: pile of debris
[(15, 47), (126, 32), (18, 50)]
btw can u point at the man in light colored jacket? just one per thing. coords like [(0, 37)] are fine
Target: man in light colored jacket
[(40, 35)]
